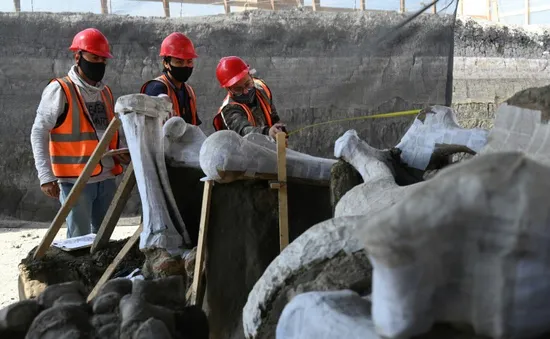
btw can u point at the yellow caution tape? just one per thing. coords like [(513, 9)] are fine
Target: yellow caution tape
[(375, 116)]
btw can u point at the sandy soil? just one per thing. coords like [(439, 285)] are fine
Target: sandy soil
[(17, 238)]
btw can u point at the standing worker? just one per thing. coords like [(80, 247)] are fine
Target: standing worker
[(178, 52), (72, 116), (248, 106)]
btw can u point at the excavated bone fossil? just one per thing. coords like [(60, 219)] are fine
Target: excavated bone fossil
[(468, 248), (142, 117), (228, 151), (324, 242)]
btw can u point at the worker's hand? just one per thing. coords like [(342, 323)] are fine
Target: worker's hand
[(276, 128), (123, 158), (51, 189)]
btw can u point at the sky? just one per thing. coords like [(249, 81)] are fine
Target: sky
[(177, 9)]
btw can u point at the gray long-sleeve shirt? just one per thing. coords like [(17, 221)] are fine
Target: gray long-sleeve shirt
[(236, 119), (51, 107)]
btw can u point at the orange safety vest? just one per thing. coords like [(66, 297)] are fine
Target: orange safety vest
[(174, 98), (263, 94), (73, 142)]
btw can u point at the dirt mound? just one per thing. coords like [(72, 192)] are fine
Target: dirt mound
[(58, 266)]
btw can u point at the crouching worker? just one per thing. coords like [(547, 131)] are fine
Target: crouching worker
[(178, 53), (248, 106), (72, 116)]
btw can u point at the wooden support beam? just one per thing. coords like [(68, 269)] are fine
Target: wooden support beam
[(316, 5), (197, 288), (362, 5), (527, 12), (273, 4), (112, 267), (78, 187), (115, 209), (281, 185), (166, 5), (104, 9), (226, 7), (402, 6), (434, 9), (17, 5)]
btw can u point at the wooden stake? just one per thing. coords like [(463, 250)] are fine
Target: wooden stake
[(77, 189), (112, 267), (226, 6), (281, 185), (115, 209), (104, 9), (402, 6), (363, 5), (166, 5), (527, 12), (316, 5), (197, 290), (17, 5)]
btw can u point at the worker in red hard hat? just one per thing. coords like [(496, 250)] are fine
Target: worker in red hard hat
[(72, 116), (248, 106), (178, 53)]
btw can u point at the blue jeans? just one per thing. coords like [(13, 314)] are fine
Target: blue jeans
[(90, 209)]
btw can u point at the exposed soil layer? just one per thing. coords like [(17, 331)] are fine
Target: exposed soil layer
[(58, 266)]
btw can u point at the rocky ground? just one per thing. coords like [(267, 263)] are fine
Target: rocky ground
[(17, 238)]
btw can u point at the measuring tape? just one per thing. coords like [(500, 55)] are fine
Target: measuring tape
[(375, 116)]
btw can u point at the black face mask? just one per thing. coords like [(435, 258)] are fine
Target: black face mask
[(247, 98), (181, 74), (92, 70)]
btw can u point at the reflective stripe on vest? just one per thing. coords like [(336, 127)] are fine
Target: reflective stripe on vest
[(263, 95), (174, 98), (73, 142)]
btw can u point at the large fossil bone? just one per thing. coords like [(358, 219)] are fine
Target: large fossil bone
[(227, 151), (142, 117), (468, 247), (317, 247)]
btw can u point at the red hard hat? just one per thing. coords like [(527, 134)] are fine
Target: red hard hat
[(178, 45), (230, 70), (93, 41)]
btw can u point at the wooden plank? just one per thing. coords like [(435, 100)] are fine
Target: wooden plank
[(104, 9), (316, 5), (77, 189), (166, 5), (283, 198), (115, 209), (527, 12), (197, 289), (112, 267)]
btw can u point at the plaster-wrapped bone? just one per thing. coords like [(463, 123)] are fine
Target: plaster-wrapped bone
[(182, 143), (228, 151), (142, 117), (469, 247), (322, 242), (519, 129), (439, 126)]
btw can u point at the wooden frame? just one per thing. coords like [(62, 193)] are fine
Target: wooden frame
[(77, 189)]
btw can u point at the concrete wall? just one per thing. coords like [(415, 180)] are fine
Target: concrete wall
[(320, 66)]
